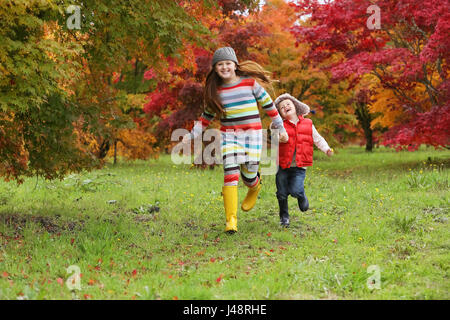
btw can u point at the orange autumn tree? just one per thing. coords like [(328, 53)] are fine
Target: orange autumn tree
[(134, 141), (115, 84), (307, 81)]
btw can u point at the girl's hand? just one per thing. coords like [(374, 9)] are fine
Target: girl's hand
[(330, 152), (284, 137)]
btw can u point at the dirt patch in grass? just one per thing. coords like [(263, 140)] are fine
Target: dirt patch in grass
[(342, 174), (51, 224), (440, 215)]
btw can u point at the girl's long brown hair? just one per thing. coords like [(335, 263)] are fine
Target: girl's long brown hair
[(213, 81)]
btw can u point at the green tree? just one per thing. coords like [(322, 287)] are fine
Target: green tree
[(54, 79), (35, 109)]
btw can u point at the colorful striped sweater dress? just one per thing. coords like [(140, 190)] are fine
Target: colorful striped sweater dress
[(241, 128)]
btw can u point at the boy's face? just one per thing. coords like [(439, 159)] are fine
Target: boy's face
[(287, 109)]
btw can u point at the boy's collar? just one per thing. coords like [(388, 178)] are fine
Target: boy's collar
[(300, 117)]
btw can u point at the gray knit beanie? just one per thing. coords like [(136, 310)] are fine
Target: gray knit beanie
[(300, 107), (225, 53)]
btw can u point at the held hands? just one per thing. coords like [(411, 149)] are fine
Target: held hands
[(284, 137)]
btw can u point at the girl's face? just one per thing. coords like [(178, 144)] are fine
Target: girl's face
[(226, 70), (287, 109)]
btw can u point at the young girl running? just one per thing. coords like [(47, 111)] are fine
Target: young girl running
[(232, 92)]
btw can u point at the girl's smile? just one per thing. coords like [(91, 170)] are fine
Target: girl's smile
[(226, 70)]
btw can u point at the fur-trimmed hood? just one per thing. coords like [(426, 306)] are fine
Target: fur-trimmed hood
[(300, 107)]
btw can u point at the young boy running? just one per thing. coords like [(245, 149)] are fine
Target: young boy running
[(296, 154)]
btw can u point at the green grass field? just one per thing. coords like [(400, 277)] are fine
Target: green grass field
[(377, 228)]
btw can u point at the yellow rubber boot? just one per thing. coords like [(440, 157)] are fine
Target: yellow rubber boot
[(230, 202), (250, 198)]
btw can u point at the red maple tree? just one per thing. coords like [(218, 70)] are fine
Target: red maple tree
[(409, 52), (177, 100)]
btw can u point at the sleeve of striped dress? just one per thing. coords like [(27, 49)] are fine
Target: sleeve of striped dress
[(202, 124), (265, 101)]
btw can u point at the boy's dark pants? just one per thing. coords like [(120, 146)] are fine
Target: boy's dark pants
[(290, 181)]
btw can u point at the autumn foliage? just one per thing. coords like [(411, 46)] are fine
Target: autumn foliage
[(408, 56), (117, 87)]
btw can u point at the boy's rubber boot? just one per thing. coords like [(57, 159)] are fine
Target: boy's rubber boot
[(250, 198), (303, 204), (230, 202), (284, 213)]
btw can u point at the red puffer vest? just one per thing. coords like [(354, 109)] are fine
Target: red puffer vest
[(300, 138)]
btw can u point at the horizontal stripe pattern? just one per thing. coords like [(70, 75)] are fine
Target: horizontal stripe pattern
[(240, 102), (241, 146), (248, 171)]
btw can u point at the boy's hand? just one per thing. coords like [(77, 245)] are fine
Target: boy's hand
[(284, 137), (330, 152)]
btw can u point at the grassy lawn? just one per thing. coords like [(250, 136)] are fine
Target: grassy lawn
[(374, 215)]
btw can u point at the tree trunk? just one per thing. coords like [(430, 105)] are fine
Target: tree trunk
[(369, 138), (103, 149), (364, 118), (115, 151)]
